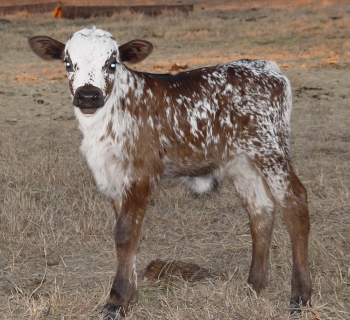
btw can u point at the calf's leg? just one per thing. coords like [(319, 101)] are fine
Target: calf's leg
[(291, 197), (130, 213), (260, 205), (296, 215)]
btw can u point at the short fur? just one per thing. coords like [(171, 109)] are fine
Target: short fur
[(200, 125)]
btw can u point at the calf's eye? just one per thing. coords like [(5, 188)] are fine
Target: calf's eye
[(112, 66), (68, 65)]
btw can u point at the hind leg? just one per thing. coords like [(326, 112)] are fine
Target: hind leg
[(291, 197), (296, 215), (260, 205)]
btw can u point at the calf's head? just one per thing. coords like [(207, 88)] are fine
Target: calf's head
[(92, 58)]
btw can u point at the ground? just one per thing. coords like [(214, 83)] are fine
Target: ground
[(56, 245)]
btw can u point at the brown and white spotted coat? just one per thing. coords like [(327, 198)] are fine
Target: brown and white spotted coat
[(199, 126)]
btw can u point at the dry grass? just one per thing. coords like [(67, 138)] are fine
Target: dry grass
[(207, 4), (56, 247)]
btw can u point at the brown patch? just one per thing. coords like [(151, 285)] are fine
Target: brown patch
[(110, 131), (170, 271), (174, 68), (178, 67)]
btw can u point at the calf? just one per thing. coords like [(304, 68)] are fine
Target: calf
[(200, 125)]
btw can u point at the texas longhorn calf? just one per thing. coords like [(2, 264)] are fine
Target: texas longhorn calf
[(200, 125)]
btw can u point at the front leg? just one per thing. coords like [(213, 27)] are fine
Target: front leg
[(130, 213)]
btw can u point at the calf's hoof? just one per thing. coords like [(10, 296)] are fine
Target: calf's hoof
[(110, 312), (296, 304)]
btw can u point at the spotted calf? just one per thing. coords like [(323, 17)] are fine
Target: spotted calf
[(199, 126)]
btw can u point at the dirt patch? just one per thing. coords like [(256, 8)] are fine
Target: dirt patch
[(167, 272)]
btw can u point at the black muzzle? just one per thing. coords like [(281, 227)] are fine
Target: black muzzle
[(88, 99)]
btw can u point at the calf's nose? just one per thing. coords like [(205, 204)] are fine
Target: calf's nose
[(88, 98)]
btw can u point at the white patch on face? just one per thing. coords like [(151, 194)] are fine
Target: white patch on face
[(89, 50)]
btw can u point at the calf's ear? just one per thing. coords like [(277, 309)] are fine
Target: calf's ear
[(47, 48), (135, 51)]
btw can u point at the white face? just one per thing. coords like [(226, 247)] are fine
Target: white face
[(91, 56)]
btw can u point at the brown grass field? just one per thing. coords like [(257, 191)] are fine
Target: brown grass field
[(57, 257)]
